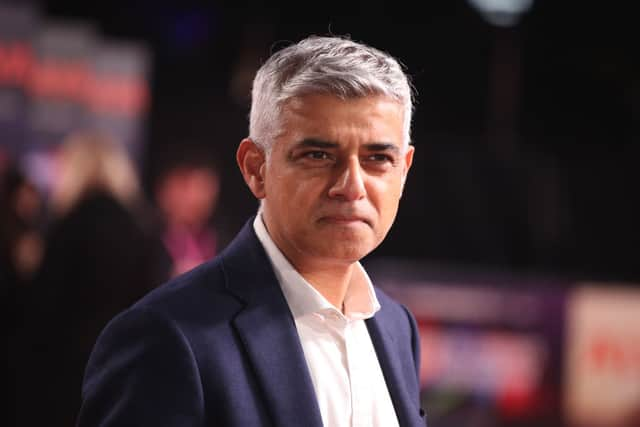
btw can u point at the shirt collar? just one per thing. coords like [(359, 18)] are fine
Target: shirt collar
[(360, 300)]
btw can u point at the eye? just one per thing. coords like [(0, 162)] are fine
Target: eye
[(317, 155), (380, 158), (379, 162)]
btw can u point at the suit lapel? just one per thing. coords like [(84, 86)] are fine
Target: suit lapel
[(268, 333), (391, 364)]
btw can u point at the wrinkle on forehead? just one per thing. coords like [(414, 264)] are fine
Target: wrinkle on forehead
[(327, 117)]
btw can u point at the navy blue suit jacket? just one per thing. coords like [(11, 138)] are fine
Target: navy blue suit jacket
[(218, 346)]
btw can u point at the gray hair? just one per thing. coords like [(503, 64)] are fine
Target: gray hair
[(326, 65)]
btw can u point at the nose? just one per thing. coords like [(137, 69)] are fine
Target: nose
[(349, 184)]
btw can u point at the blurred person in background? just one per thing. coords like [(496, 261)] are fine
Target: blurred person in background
[(284, 327), (101, 255), (21, 224), (186, 192), (21, 247)]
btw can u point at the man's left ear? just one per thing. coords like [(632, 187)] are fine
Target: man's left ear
[(408, 161)]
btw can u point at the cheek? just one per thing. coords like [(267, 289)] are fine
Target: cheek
[(295, 190), (386, 197), (291, 196)]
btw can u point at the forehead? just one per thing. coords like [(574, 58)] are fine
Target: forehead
[(366, 119)]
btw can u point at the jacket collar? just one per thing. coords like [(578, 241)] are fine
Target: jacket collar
[(268, 332), (397, 370)]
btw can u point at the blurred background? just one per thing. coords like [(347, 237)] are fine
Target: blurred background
[(517, 241)]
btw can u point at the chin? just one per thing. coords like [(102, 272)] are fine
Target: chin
[(346, 244), (346, 251)]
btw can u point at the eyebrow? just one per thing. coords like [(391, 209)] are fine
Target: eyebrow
[(316, 143), (382, 146), (373, 146)]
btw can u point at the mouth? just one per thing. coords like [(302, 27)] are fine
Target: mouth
[(346, 220)]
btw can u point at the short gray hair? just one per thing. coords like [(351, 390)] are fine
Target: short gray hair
[(324, 65)]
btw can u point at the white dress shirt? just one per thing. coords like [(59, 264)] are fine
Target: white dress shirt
[(342, 361)]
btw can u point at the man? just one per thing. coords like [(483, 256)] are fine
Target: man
[(284, 327)]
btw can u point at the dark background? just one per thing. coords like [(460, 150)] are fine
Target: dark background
[(526, 137)]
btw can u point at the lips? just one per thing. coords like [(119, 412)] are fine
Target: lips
[(345, 219)]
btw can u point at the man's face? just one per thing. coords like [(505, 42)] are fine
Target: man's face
[(334, 177)]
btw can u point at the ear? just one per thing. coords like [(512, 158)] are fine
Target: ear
[(252, 161), (408, 161)]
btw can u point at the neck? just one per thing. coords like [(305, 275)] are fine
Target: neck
[(331, 281)]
